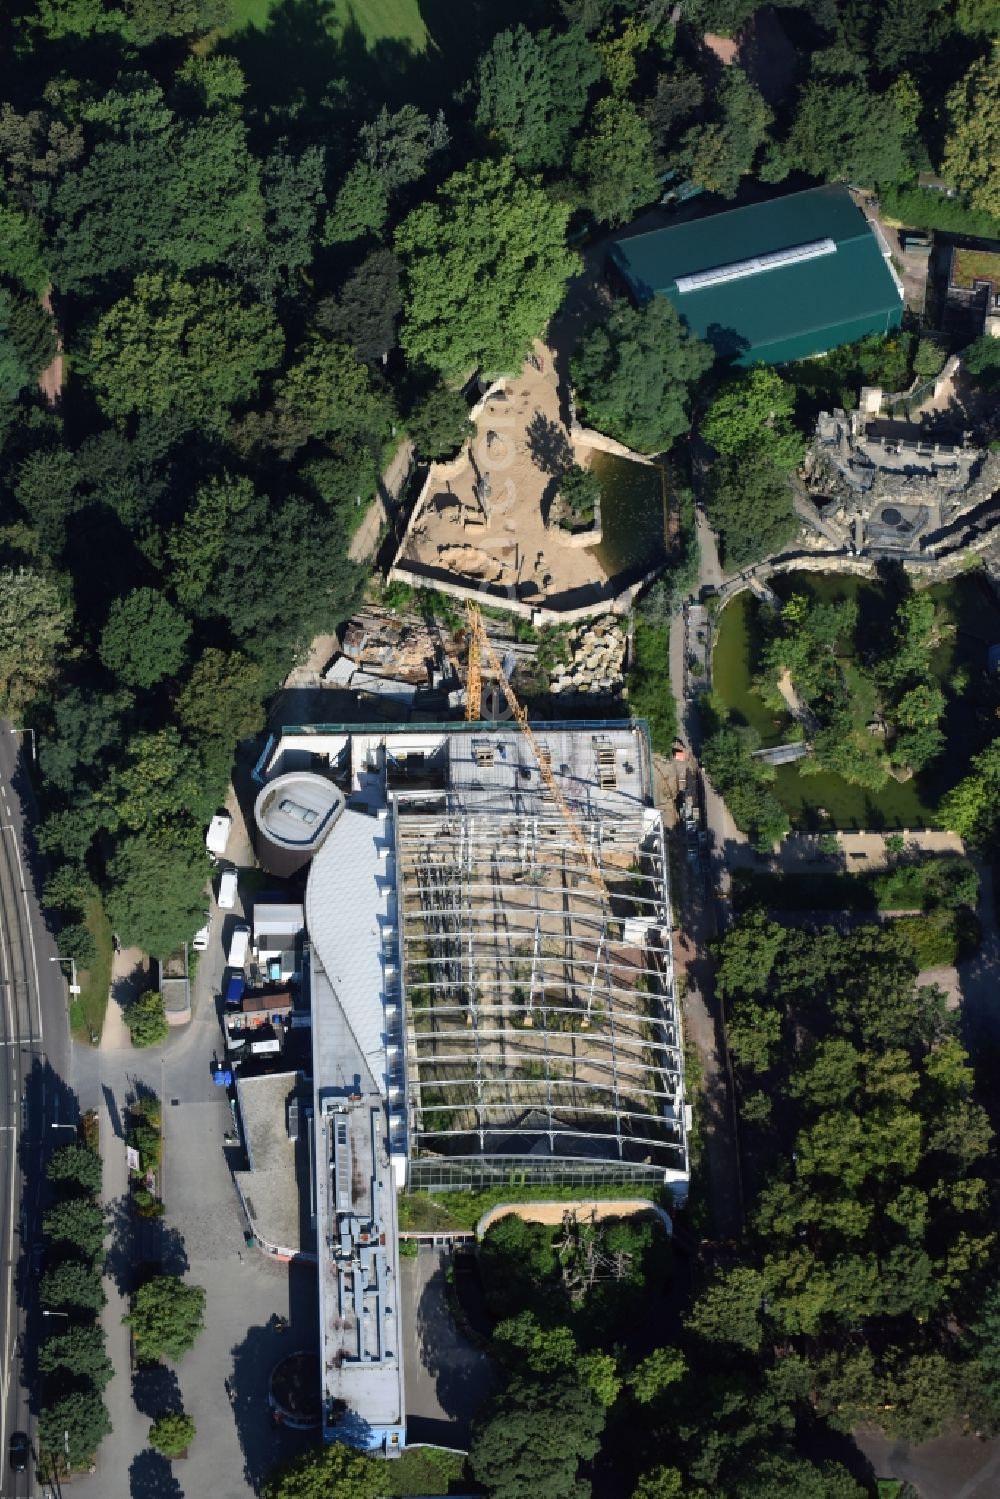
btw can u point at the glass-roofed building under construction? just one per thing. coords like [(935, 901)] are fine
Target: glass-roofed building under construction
[(504, 970)]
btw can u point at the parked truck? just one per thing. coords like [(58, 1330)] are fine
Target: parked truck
[(239, 946), (218, 834)]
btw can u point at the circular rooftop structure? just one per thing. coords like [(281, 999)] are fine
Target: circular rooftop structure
[(294, 813)]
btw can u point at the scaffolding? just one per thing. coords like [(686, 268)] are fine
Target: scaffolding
[(541, 1012)]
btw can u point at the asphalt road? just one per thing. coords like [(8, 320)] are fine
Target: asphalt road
[(36, 1101)]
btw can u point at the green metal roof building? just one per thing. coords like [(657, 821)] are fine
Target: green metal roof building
[(773, 281)]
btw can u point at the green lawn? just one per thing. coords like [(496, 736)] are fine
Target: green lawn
[(297, 55), (395, 20), (86, 1010)]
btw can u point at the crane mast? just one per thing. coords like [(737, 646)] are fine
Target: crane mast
[(479, 641)]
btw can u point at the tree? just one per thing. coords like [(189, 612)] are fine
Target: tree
[(161, 785), (678, 94), (753, 414), (531, 1441), (972, 808), (661, 1483), (366, 310), (972, 144), (440, 423), (360, 209), (87, 733), (172, 1433), (842, 131), (145, 638), (334, 1472), (485, 266), (327, 393), (222, 697), (580, 492), (729, 1310), (543, 1350), (749, 504), (77, 1221), (745, 784), (200, 542), (614, 162), (166, 1317), (174, 345), (982, 360), (77, 1166), (532, 90), (657, 1372), (156, 897), (634, 374), (48, 491), (718, 155), (398, 147), (71, 1429), (73, 1285), (34, 631), (80, 1351), (147, 1020)]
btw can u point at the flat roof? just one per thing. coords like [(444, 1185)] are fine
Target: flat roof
[(969, 265), (276, 1189), (778, 303), (296, 809)]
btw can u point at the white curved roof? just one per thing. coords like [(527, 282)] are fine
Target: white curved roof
[(351, 885)]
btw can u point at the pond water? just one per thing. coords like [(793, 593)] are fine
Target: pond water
[(633, 518), (970, 717)]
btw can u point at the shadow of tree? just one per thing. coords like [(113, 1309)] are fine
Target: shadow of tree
[(150, 1476), (548, 445), (155, 1390), (264, 1445)]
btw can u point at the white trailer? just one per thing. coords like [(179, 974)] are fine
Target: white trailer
[(218, 834), (239, 946)]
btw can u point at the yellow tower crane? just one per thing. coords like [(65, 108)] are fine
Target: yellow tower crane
[(479, 641)]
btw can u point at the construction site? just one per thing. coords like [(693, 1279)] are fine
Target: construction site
[(491, 986)]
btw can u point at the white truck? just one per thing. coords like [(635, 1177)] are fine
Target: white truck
[(218, 834), (228, 884), (239, 946)]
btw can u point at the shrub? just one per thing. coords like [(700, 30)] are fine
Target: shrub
[(934, 941), (146, 1019)]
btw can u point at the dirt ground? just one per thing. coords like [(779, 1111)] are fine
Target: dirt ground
[(51, 379), (520, 448)]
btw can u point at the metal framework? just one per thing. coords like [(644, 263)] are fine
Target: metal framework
[(541, 1019)]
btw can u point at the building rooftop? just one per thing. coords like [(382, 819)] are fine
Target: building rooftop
[(277, 1189), (771, 276), (969, 266), (347, 915)]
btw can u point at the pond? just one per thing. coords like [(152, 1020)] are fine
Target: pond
[(959, 664), (633, 518)]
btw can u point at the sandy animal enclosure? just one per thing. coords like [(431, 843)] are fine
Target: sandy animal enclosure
[(483, 517)]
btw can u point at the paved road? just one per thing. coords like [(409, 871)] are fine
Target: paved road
[(35, 1100), (201, 1237), (448, 1379)]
